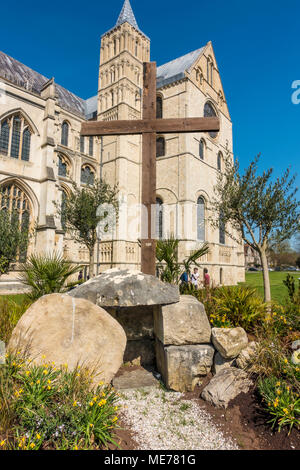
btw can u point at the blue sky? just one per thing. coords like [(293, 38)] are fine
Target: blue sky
[(256, 44)]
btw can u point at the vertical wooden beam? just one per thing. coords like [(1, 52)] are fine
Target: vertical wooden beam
[(148, 248)]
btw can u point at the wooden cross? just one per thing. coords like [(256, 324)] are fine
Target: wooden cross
[(149, 126)]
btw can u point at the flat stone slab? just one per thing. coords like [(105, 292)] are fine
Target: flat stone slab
[(126, 288), (135, 379)]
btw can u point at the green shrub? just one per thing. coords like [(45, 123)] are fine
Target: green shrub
[(281, 402), (10, 314), (47, 274), (241, 306), (44, 407)]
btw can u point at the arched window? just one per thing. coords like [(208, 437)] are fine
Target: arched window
[(202, 149), (160, 147), (159, 219), (65, 134), (209, 111), (136, 48), (91, 146), (15, 200), (87, 175), (63, 205), (26, 145), (15, 140), (82, 144), (221, 229), (201, 219), (15, 137), (4, 137), (219, 162), (63, 166), (159, 107)]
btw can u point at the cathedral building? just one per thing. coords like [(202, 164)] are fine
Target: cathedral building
[(42, 152)]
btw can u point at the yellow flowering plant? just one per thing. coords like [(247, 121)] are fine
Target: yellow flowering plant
[(281, 401)]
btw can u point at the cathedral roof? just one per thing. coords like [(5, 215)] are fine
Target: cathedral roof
[(23, 76), (175, 70)]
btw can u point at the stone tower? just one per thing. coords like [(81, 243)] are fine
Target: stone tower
[(124, 48)]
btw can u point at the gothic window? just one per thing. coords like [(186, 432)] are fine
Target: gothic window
[(87, 175), (202, 149), (14, 199), (91, 146), (65, 134), (63, 166), (63, 205), (201, 219), (82, 144), (160, 147), (15, 137), (219, 162), (4, 137), (136, 48), (115, 46), (159, 219), (221, 229), (159, 107), (15, 140), (209, 111), (26, 145)]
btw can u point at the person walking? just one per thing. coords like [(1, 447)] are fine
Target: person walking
[(206, 280), (195, 278)]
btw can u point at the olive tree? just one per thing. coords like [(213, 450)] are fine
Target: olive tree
[(263, 210), (81, 212)]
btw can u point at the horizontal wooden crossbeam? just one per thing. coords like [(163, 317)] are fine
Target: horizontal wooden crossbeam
[(160, 126)]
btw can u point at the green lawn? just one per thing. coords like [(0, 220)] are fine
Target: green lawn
[(278, 289)]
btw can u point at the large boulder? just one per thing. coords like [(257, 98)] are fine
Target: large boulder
[(71, 331), (182, 323), (182, 366), (126, 288), (229, 342), (225, 386)]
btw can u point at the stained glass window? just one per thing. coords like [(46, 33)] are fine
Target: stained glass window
[(159, 107), (62, 167), (201, 149), (201, 219), (26, 145), (160, 147), (87, 175), (209, 111), (159, 219), (82, 144), (15, 140), (65, 134), (4, 137), (91, 146)]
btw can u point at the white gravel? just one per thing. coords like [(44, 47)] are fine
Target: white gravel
[(163, 421)]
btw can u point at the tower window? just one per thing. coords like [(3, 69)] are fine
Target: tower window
[(221, 229), (160, 147), (202, 149), (219, 162), (159, 218), (65, 134), (201, 219), (159, 107), (91, 146), (209, 111)]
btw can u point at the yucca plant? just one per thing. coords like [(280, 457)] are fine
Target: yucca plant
[(241, 305), (47, 274)]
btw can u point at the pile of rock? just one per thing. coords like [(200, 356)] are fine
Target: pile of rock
[(132, 298), (188, 349)]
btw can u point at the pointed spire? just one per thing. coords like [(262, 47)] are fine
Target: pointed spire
[(127, 15)]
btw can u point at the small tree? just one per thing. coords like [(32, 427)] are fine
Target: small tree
[(80, 213), (167, 255), (13, 238), (261, 210)]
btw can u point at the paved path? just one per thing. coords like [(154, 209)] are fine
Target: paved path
[(164, 421)]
